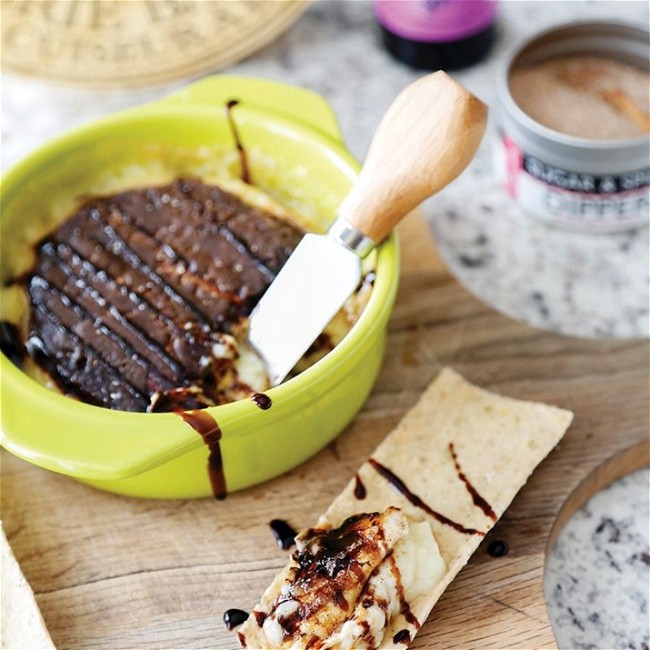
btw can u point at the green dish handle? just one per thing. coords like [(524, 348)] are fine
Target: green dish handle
[(297, 103)]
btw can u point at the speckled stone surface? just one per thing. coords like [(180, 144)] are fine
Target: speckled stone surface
[(583, 285), (598, 575)]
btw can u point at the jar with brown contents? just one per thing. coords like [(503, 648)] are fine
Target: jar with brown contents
[(572, 147)]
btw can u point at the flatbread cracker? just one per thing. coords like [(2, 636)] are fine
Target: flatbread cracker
[(457, 459), (21, 623)]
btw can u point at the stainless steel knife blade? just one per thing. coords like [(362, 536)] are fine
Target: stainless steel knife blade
[(310, 289)]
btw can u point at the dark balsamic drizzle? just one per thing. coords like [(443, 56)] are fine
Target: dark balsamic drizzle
[(260, 617), (498, 548), (327, 564), (242, 639), (11, 343), (312, 643), (284, 534), (232, 618), (243, 158), (404, 609), (400, 486), (406, 612), (339, 599), (206, 426), (360, 491), (261, 400), (367, 280), (403, 636), (479, 501)]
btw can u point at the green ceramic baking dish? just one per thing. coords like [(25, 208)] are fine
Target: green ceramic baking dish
[(297, 155)]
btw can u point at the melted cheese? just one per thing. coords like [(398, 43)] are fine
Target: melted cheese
[(413, 568)]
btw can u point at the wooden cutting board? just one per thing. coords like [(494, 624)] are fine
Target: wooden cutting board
[(114, 572)]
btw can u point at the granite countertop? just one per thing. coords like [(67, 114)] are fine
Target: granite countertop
[(572, 283), (596, 580)]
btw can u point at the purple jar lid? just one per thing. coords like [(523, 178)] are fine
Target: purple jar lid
[(435, 20)]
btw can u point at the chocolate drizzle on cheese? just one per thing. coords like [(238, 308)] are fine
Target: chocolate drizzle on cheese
[(399, 485), (327, 575), (133, 297), (346, 586), (404, 609)]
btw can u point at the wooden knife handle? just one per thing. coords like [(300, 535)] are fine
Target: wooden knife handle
[(426, 138)]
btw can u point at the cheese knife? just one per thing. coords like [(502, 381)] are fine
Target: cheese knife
[(426, 138)]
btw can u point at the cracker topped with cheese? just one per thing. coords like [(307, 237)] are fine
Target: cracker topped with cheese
[(368, 575)]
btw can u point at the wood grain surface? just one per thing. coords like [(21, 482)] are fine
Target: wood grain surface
[(116, 572)]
